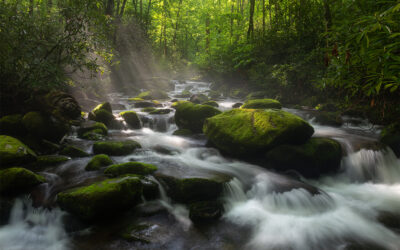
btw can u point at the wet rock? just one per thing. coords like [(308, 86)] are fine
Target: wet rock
[(262, 104), (144, 104), (118, 106), (184, 94), (389, 219), (98, 161), (183, 132), (14, 152), (102, 199), (329, 118), (316, 157), (115, 147), (148, 109), (51, 160), (193, 189), (211, 103), (192, 116), (6, 205), (88, 126), (103, 113), (132, 167), (132, 119), (136, 232), (237, 105), (73, 151), (160, 112), (166, 150), (12, 125), (390, 136), (205, 211), (16, 180), (198, 98), (247, 131), (150, 188)]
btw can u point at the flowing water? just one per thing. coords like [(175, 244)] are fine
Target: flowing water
[(263, 209)]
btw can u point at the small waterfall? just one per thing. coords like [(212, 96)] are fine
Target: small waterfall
[(32, 228)]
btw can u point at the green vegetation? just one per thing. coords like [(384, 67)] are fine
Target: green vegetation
[(262, 104), (73, 151), (115, 147), (132, 119), (138, 168), (98, 161), (192, 116), (13, 151), (15, 180)]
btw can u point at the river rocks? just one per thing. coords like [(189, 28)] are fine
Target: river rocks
[(211, 103), (184, 94), (192, 116), (390, 136), (205, 211), (316, 157), (103, 113), (50, 160), (262, 104), (132, 119), (144, 104), (115, 147), (198, 98), (138, 168), (102, 199), (148, 109), (12, 125), (73, 151), (14, 152), (16, 180), (183, 132), (250, 131), (329, 118), (153, 95), (160, 112), (91, 130), (98, 161), (193, 189)]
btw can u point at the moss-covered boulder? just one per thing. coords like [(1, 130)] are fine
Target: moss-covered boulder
[(12, 125), (262, 104), (211, 103), (184, 94), (192, 116), (194, 189), (148, 109), (144, 104), (50, 160), (132, 119), (329, 118), (103, 113), (205, 211), (160, 112), (237, 105), (316, 157), (88, 126), (14, 152), (105, 106), (16, 180), (152, 95), (183, 132), (101, 199), (250, 131), (132, 167), (390, 136), (73, 151), (115, 147), (98, 161), (198, 98)]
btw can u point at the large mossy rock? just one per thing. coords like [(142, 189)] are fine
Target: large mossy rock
[(249, 131), (132, 167), (115, 147), (73, 151), (192, 116), (390, 136), (316, 157), (91, 130), (152, 95), (12, 125), (211, 103), (262, 104), (45, 127), (14, 152), (103, 113), (16, 180), (50, 160), (198, 98), (194, 189), (101, 199), (132, 119), (98, 161)]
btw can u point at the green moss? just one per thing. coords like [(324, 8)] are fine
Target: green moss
[(132, 119), (249, 131), (130, 168), (115, 147), (184, 94), (317, 156), (104, 106), (94, 135), (136, 99), (192, 116), (50, 160), (262, 104), (211, 103), (160, 111), (98, 161), (12, 125), (100, 128), (73, 151), (15, 180), (101, 199), (103, 116), (135, 233), (198, 98), (178, 103), (183, 132), (13, 151), (35, 123), (148, 109)]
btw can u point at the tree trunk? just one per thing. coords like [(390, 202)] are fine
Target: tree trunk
[(250, 31), (121, 13), (208, 34), (263, 17)]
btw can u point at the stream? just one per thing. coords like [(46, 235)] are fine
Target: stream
[(263, 209)]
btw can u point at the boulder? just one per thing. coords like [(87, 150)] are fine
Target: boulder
[(183, 132), (184, 94), (88, 126), (132, 119), (250, 131), (12, 125), (73, 151), (14, 152), (103, 113), (390, 136), (194, 189), (138, 168), (262, 104), (160, 112), (198, 98), (145, 104), (316, 157), (50, 160), (115, 147), (98, 161), (205, 211), (102, 199), (148, 109), (192, 116), (211, 103), (15, 180), (48, 128)]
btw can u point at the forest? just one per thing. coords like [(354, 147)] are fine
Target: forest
[(209, 124)]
